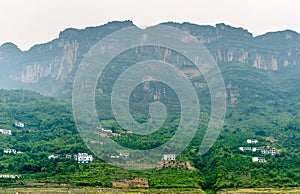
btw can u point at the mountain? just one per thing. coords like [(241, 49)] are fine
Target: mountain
[(261, 76), (259, 108), (46, 67), (50, 68)]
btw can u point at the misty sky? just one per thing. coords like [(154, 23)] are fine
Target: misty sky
[(28, 22)]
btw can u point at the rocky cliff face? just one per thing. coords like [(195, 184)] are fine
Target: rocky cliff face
[(56, 61), (271, 51), (52, 62)]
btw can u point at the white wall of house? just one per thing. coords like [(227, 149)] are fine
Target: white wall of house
[(5, 132), (169, 157)]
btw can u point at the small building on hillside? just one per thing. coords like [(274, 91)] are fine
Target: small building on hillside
[(259, 160), (168, 157), (124, 155), (83, 158), (5, 132), (252, 141), (10, 176), (53, 156), (106, 130), (271, 151), (19, 124), (114, 156), (68, 156), (9, 151), (245, 148)]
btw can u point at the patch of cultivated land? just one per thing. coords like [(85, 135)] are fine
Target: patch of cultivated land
[(96, 190), (145, 191), (261, 190)]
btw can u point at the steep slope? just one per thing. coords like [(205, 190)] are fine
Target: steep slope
[(50, 68), (258, 110), (46, 67)]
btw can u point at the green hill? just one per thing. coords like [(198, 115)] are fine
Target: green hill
[(259, 112)]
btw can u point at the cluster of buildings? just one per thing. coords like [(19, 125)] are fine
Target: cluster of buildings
[(8, 132), (79, 157), (11, 151), (263, 150)]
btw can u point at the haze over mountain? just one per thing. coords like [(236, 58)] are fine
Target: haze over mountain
[(261, 76), (47, 68)]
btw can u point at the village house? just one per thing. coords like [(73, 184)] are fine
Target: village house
[(263, 150), (271, 151), (106, 130), (252, 141), (68, 156), (253, 149), (53, 156), (5, 132), (168, 157), (124, 155), (245, 149), (259, 160), (9, 151), (10, 176), (19, 124), (83, 158)]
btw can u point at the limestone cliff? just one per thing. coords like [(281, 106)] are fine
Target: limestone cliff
[(56, 62)]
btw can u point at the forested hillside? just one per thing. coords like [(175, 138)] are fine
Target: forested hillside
[(259, 107)]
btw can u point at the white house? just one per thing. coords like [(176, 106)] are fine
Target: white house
[(10, 176), (68, 156), (5, 132), (252, 141), (245, 148), (83, 158), (20, 124), (124, 155), (259, 160), (271, 151), (53, 156), (106, 130), (168, 157), (9, 151)]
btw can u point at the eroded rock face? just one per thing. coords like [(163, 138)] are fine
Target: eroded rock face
[(58, 60)]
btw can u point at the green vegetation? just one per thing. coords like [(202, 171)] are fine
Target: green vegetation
[(265, 110)]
